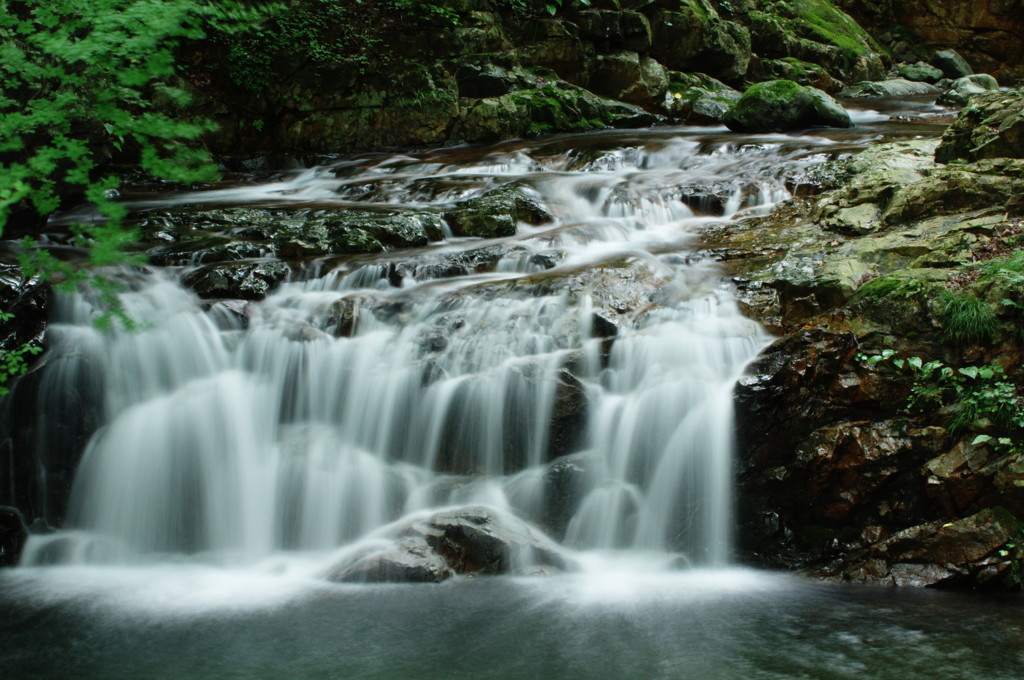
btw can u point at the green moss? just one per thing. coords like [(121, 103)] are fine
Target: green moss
[(827, 24), (897, 285)]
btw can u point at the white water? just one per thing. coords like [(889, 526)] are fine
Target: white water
[(240, 444)]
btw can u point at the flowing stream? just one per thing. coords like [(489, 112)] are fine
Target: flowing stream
[(245, 448)]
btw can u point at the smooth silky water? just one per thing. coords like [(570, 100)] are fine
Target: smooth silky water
[(238, 462)]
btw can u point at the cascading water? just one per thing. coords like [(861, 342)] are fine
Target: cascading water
[(347, 400)]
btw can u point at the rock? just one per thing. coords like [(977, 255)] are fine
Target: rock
[(802, 72), (782, 105), (815, 31), (991, 126), (470, 541), (920, 72), (696, 98), (896, 87), (964, 88), (630, 78), (965, 552), (496, 213), (696, 38), (408, 560), (13, 535), (951, 64), (550, 497), (246, 281)]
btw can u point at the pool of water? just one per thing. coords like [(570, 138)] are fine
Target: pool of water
[(191, 623)]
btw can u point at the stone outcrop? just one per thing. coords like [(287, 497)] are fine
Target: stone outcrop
[(486, 71), (841, 471), (989, 33), (991, 126)]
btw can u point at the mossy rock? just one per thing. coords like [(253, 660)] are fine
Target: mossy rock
[(802, 72), (782, 105), (992, 126), (496, 213), (920, 72), (816, 31)]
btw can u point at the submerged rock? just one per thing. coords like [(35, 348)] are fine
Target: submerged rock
[(472, 541), (782, 105)]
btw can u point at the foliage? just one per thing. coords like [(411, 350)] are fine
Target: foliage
[(13, 362), (973, 397), (83, 83), (966, 319), (328, 32)]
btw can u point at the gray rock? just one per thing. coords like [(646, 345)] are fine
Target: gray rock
[(896, 87), (921, 72), (964, 88), (470, 541), (951, 64)]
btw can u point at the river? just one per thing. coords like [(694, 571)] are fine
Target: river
[(248, 448)]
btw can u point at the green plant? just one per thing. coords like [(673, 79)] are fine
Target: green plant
[(82, 84), (966, 319), (973, 397)]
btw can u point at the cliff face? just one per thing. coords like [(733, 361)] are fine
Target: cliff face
[(483, 70), (989, 33)]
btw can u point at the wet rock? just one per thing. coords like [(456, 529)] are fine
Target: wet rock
[(496, 213), (951, 64), (550, 497), (962, 89), (897, 87), (246, 281), (967, 552), (471, 541), (920, 72), (13, 535), (409, 560), (991, 126), (781, 105)]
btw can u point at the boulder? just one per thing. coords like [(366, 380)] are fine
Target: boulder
[(13, 535), (964, 88), (697, 98), (951, 64), (782, 105), (920, 72), (470, 541)]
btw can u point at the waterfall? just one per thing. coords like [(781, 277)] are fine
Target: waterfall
[(346, 401)]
